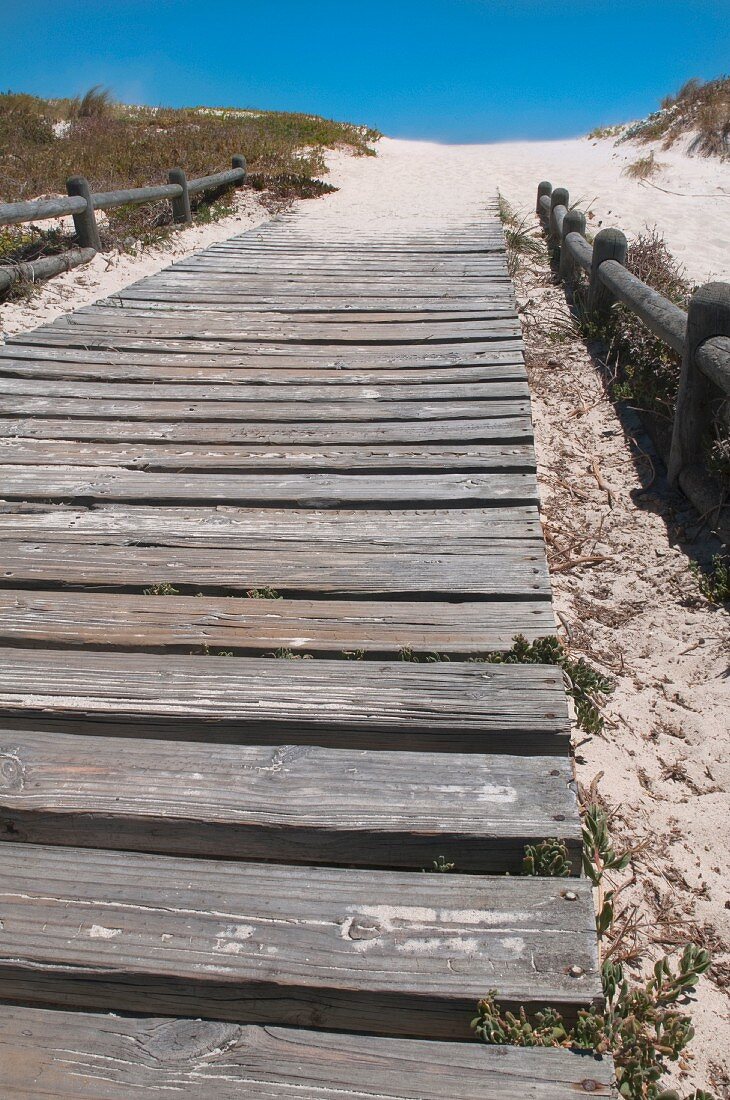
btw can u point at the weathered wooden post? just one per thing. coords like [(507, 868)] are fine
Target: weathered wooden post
[(543, 188), (181, 211), (87, 231), (610, 244), (559, 197), (708, 316), (239, 161), (573, 222)]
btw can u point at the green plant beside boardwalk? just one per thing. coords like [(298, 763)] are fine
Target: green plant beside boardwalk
[(642, 1026)]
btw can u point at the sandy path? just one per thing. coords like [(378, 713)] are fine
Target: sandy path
[(422, 183)]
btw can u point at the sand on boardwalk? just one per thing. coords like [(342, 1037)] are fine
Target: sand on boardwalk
[(638, 615)]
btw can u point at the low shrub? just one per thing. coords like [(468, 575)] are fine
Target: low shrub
[(643, 168), (43, 142), (701, 108), (643, 369), (640, 1025), (584, 684)]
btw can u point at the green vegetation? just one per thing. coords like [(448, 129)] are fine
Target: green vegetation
[(441, 866), (407, 654), (641, 1026), (519, 236), (548, 859), (643, 168), (353, 654), (699, 107), (43, 142), (715, 582), (265, 593), (644, 370), (163, 589), (602, 132), (598, 857), (583, 683)]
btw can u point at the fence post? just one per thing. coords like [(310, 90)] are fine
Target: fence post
[(559, 197), (181, 206), (610, 244), (543, 188), (708, 316), (87, 231), (239, 161), (573, 222)]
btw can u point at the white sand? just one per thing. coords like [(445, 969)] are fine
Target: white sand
[(426, 184), (664, 751)]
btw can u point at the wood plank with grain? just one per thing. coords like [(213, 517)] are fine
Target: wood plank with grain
[(441, 706), (233, 409), (307, 391), (287, 803), (271, 357), (501, 426), (310, 489), (259, 624), (500, 572), (433, 352), (443, 531), (389, 952), (84, 1056), (503, 368), (150, 456)]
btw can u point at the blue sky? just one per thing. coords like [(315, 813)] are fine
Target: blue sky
[(446, 70)]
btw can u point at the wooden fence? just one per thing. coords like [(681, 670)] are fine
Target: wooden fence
[(81, 204), (701, 336)]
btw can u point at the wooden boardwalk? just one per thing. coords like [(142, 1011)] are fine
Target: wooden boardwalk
[(261, 511)]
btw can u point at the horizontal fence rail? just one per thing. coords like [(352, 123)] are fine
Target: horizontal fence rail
[(701, 336), (44, 267), (81, 204)]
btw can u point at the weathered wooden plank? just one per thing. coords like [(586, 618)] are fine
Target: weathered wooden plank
[(282, 293), (294, 804), (361, 266), (295, 328), (273, 359), (83, 1056), (169, 335), (344, 271), (313, 490), (500, 572), (505, 428), (212, 411), (505, 368), (336, 390), (288, 244), (440, 531), (442, 706), (431, 352), (313, 286), (313, 306), (265, 625), (386, 952), (151, 456)]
